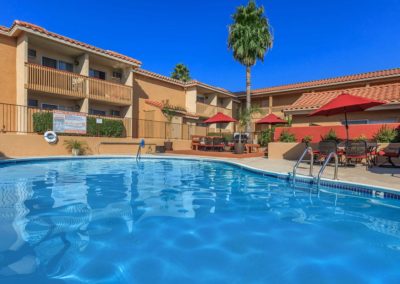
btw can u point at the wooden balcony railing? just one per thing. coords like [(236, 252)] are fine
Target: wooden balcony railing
[(48, 80), (209, 110), (108, 91)]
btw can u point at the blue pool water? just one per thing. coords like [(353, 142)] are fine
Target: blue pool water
[(182, 221)]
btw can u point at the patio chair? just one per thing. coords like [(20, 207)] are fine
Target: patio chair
[(218, 143), (202, 143), (326, 147), (389, 154), (195, 142), (208, 143), (243, 137), (358, 151)]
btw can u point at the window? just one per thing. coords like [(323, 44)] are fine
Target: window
[(117, 75), (201, 99), (49, 106), (220, 102), (31, 53), (33, 103), (265, 103), (65, 66), (115, 113), (97, 112), (48, 62), (97, 74)]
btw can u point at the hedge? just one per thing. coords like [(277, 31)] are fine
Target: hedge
[(43, 121)]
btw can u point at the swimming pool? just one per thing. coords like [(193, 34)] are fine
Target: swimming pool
[(185, 221)]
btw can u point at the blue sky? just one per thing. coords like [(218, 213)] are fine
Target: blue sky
[(314, 39)]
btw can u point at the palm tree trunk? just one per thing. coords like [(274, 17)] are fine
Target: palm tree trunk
[(248, 98)]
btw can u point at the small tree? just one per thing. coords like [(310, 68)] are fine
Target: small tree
[(169, 114), (181, 72)]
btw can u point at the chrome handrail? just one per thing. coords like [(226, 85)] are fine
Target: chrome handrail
[(327, 160), (308, 150), (139, 154)]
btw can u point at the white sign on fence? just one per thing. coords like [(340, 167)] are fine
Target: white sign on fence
[(69, 122)]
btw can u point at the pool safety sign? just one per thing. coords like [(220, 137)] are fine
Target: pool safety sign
[(69, 122)]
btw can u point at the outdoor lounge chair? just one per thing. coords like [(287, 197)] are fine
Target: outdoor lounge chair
[(358, 151), (389, 153)]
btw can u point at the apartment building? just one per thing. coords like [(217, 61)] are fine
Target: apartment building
[(192, 102), (300, 99), (42, 70), (47, 71), (54, 72)]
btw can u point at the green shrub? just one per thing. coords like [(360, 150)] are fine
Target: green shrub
[(286, 136), (42, 122), (386, 135), (331, 135), (109, 127), (266, 137)]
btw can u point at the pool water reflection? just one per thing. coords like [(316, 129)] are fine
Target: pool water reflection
[(177, 221)]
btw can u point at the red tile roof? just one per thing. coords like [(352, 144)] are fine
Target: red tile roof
[(329, 81), (389, 93), (159, 76), (191, 83), (43, 31)]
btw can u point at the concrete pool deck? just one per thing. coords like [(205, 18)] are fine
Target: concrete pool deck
[(376, 176)]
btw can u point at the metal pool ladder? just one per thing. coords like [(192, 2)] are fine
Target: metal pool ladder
[(327, 160), (308, 150)]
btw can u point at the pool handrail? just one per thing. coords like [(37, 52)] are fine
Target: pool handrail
[(308, 150), (327, 160)]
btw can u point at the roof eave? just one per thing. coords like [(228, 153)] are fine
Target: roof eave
[(16, 28), (322, 85)]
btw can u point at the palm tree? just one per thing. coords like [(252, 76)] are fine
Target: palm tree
[(250, 37), (181, 72)]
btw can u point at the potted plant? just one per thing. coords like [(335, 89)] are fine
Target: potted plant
[(307, 140), (386, 135), (245, 117), (76, 147), (331, 135)]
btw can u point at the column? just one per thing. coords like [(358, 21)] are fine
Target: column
[(22, 79)]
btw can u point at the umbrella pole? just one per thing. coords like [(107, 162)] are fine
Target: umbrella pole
[(347, 126)]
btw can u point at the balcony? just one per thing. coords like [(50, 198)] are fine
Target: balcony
[(205, 110), (110, 92), (48, 80), (52, 81)]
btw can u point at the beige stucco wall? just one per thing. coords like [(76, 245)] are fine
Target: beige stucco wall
[(14, 145), (304, 120), (148, 88), (7, 70)]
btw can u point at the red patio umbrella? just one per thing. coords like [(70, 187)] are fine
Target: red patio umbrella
[(220, 118), (345, 103), (271, 119)]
